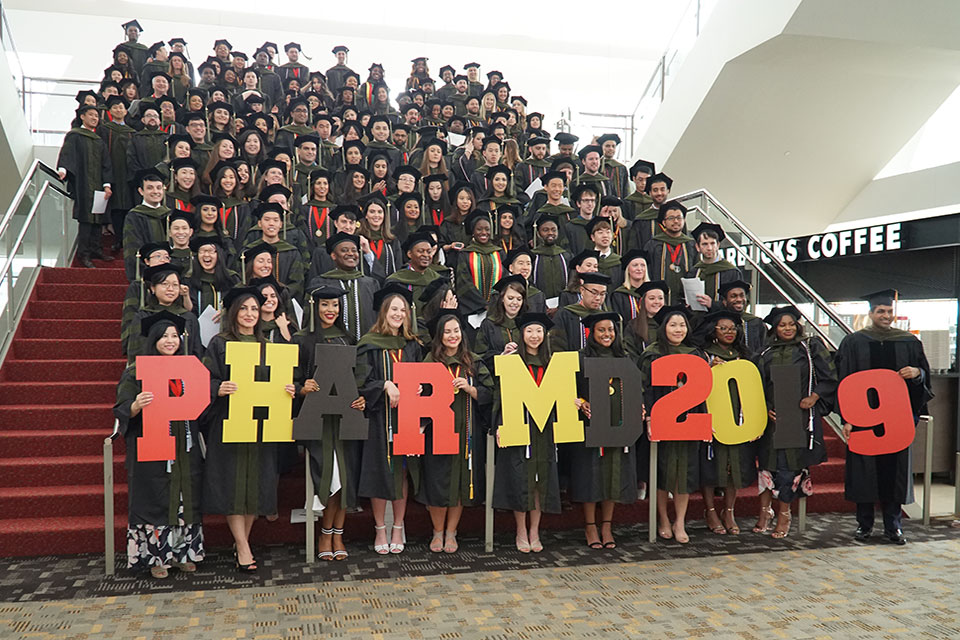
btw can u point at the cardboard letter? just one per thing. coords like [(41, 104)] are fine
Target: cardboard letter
[(753, 405), (518, 390), (601, 373), (664, 423), (156, 372), (410, 378), (338, 389), (790, 427), (243, 358), (894, 413)]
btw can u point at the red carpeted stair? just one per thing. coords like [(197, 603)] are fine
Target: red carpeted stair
[(57, 389)]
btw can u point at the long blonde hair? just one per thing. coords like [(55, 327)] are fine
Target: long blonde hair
[(646, 274), (382, 327)]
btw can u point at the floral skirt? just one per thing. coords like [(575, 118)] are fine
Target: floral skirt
[(161, 545), (786, 485)]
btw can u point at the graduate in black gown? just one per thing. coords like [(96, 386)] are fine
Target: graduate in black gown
[(526, 480), (887, 479), (733, 297), (383, 475), (785, 473), (678, 462), (240, 479), (330, 457), (672, 252), (166, 291), (569, 334), (498, 333), (607, 475), (454, 481), (731, 466), (711, 268), (519, 262), (356, 289), (480, 264), (164, 528)]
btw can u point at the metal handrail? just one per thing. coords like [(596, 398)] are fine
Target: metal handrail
[(8, 264), (109, 517), (22, 191)]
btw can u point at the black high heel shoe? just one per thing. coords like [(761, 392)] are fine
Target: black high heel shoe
[(244, 568)]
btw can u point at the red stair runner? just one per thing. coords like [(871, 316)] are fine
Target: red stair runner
[(57, 389)]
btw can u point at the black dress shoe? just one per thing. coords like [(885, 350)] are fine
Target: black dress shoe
[(85, 261), (896, 537), (103, 257), (862, 534)]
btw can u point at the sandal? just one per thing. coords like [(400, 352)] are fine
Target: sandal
[(681, 539), (597, 544), (339, 554), (732, 529), (396, 547), (779, 533), (159, 571), (536, 546), (451, 544), (665, 532), (186, 566), (523, 546), (611, 543), (763, 523), (326, 555), (382, 549), (436, 542), (719, 529)]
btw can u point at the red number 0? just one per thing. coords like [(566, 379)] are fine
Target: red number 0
[(893, 413), (663, 417)]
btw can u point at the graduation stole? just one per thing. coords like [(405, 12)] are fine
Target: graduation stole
[(674, 252), (350, 293), (468, 423), (563, 265), (482, 279), (184, 205), (368, 92), (377, 247), (390, 356), (536, 372), (507, 248), (437, 215), (320, 217)]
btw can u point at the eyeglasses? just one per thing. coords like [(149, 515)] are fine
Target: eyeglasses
[(732, 329), (594, 292), (673, 218)]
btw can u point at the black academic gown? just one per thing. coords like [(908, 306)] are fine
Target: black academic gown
[(671, 258), (146, 150), (141, 226), (239, 478), (568, 333), (356, 304), (86, 159), (885, 478), (550, 270), (157, 489), (381, 472), (479, 267), (460, 479)]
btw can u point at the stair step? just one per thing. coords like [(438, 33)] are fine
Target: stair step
[(81, 292), (31, 416), (57, 442), (62, 470), (55, 393), (74, 310), (80, 275), (86, 327), (60, 501), (52, 370), (48, 349)]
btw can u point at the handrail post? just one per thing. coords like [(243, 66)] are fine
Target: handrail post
[(488, 504), (109, 553), (308, 508), (802, 515), (956, 485), (927, 468), (652, 494), (663, 76)]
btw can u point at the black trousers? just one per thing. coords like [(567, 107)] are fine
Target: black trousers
[(88, 240), (891, 515), (117, 217)]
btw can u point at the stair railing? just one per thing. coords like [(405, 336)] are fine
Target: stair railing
[(109, 515), (35, 232)]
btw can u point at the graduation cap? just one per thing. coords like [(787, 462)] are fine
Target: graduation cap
[(307, 137), (884, 298), (184, 163), (177, 54), (160, 271), (592, 319), (595, 277), (516, 253), (224, 42), (666, 207), (519, 99), (704, 227), (416, 238), (241, 56), (162, 319), (201, 241), (274, 189), (388, 291), (533, 114), (496, 87), (156, 46), (373, 198), (433, 288), (220, 167), (774, 316), (596, 220), (82, 95), (659, 177), (239, 294), (219, 104), (561, 161), (505, 281), (608, 136), (202, 199), (666, 312), (532, 142), (590, 148), (457, 188), (493, 73), (206, 65), (291, 45), (420, 59), (261, 247), (435, 142), (299, 101), (471, 65), (578, 259), (223, 135), (346, 87), (476, 216), (565, 138), (406, 169), (151, 174), (642, 166), (720, 314), (447, 67), (509, 207), (339, 238), (403, 198), (456, 118), (544, 218), (266, 281), (174, 41), (632, 255), (491, 140), (583, 187), (324, 292), (351, 210), (180, 214), (610, 201), (266, 165), (268, 207), (492, 171), (118, 99), (535, 318), (151, 248), (550, 175), (316, 174), (653, 284), (340, 47), (270, 45), (132, 23), (437, 177), (726, 287)]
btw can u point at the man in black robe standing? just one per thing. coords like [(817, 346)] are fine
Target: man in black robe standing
[(84, 162), (887, 478)]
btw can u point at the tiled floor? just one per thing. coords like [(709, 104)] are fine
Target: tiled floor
[(821, 585)]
